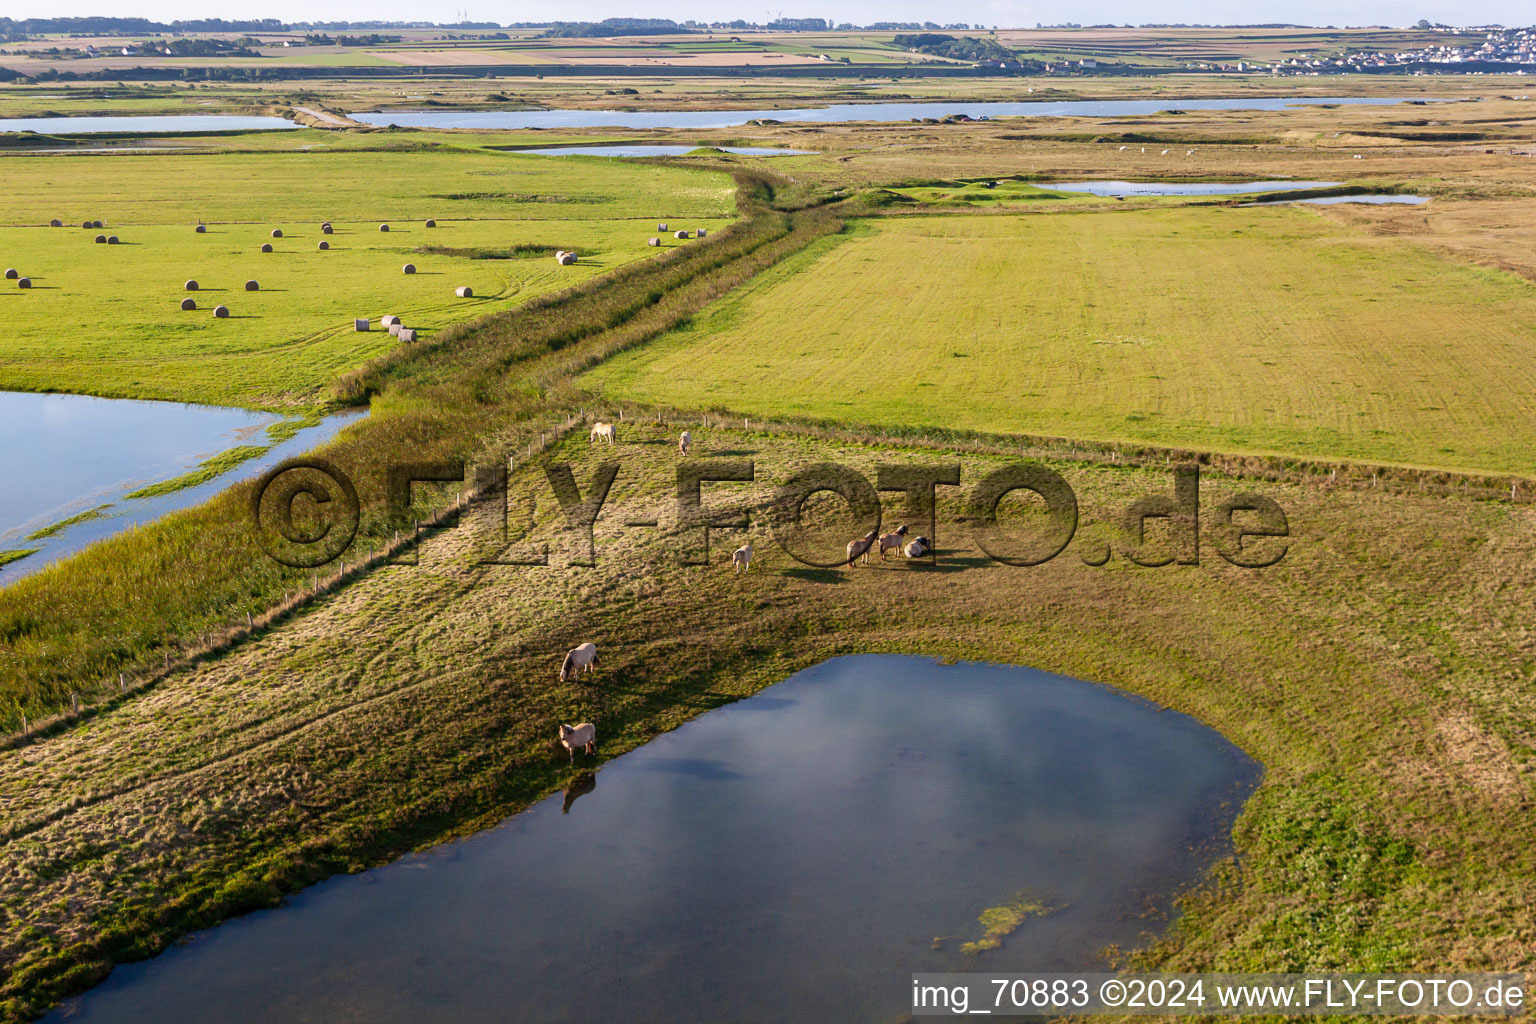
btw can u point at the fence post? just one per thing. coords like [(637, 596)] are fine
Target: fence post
[(122, 683)]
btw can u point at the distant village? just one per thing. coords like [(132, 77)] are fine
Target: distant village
[(1492, 46)]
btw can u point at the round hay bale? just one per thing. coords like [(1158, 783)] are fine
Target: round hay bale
[(701, 232), (221, 312), (12, 274), (409, 268), (101, 239), (389, 320), (96, 224), (383, 227), (87, 224), (277, 232), (565, 259), (55, 223), (325, 229), (266, 246), (653, 241), (25, 282), (464, 292), (431, 223), (661, 227), (679, 234), (190, 286), (188, 303), (111, 239), (252, 286), (325, 245), (201, 229)]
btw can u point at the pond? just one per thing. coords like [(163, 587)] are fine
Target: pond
[(658, 151), (63, 455), (145, 123), (1331, 200), (793, 856), (1179, 188), (501, 119)]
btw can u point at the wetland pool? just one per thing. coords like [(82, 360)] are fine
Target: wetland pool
[(62, 456), (796, 855), (483, 120)]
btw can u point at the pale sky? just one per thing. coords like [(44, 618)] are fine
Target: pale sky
[(1004, 13)]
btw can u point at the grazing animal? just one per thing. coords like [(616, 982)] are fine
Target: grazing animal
[(918, 548), (580, 659), (684, 441), (741, 558), (604, 432), (862, 546), (893, 541), (580, 786), (1165, 152), (583, 736), (1124, 148)]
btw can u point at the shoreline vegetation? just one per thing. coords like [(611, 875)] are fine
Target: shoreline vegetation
[(63, 524), (229, 745)]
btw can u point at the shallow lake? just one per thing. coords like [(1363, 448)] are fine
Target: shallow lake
[(1178, 188), (658, 151), (61, 455), (144, 123), (1332, 200), (494, 119), (792, 856)]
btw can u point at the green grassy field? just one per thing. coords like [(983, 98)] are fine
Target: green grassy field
[(105, 319), (1235, 329), (297, 185)]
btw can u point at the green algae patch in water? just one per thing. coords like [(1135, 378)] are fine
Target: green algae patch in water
[(1000, 922)]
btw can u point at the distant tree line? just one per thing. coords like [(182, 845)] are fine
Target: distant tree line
[(614, 27), (908, 26), (955, 47), (127, 26), (372, 39), (11, 28)]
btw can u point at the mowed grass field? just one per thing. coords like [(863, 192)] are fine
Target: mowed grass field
[(106, 319), (1270, 330)]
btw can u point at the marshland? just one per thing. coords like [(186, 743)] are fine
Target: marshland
[(195, 730)]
